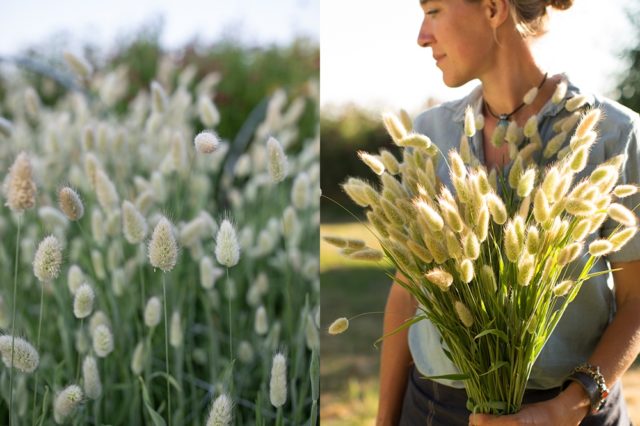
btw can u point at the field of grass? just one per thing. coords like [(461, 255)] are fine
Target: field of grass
[(350, 362)]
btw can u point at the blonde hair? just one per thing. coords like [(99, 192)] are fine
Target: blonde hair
[(531, 16)]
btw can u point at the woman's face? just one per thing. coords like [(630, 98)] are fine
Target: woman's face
[(460, 37)]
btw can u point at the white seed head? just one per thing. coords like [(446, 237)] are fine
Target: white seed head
[(560, 92), (91, 378), (278, 382), (134, 225), (152, 312), (301, 191), (512, 242), (83, 301), (277, 163), (471, 245), (138, 359), (227, 248), (487, 276), (533, 240), (159, 98), (47, 260), (466, 270), (621, 214), (554, 145), (576, 102), (245, 352), (373, 161), (206, 142), (163, 249), (20, 189), (261, 323), (176, 335), (496, 208), (70, 203), (464, 314), (209, 114), (541, 209), (526, 269), (25, 356), (78, 64), (102, 340), (394, 126), (525, 184), (390, 162), (339, 326), (530, 96), (440, 278), (600, 247), (622, 191), (531, 126), (569, 253), (221, 413), (620, 238), (106, 191), (563, 288), (66, 402)]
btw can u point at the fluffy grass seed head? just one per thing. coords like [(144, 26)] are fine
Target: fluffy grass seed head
[(620, 238), (134, 225), (159, 98), (466, 270), (278, 382), (525, 184), (66, 402), (600, 247), (368, 254), (431, 216), (621, 214), (70, 203), (533, 239), (464, 314), (83, 301), (390, 162), (394, 126), (261, 322), (102, 339), (209, 114), (576, 102), (469, 122), (530, 96), (541, 209), (25, 356), (512, 242), (373, 161), (457, 165), (526, 269), (563, 288), (496, 208), (163, 249), (277, 163), (78, 64), (152, 312), (206, 142), (176, 335), (339, 326), (20, 189), (91, 378), (471, 245), (227, 247), (440, 278), (221, 413), (106, 191), (560, 92), (569, 253), (301, 191), (488, 277), (138, 359), (622, 191), (48, 258)]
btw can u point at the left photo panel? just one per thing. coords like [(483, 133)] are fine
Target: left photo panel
[(159, 215)]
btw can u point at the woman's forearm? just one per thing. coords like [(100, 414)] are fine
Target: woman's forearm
[(395, 357)]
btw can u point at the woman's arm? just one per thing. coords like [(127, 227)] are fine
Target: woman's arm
[(617, 349), (395, 358)]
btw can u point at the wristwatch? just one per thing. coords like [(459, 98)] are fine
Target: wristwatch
[(589, 377)]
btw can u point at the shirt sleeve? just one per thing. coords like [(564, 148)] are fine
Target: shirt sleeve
[(630, 174)]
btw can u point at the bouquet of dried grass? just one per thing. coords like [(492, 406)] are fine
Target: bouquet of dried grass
[(489, 262)]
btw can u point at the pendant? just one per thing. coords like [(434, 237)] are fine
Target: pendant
[(503, 120)]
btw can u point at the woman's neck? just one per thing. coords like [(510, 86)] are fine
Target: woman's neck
[(513, 73)]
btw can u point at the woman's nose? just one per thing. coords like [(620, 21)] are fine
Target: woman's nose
[(425, 35)]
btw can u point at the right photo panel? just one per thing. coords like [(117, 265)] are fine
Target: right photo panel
[(480, 172)]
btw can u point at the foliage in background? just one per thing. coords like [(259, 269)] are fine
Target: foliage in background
[(629, 85)]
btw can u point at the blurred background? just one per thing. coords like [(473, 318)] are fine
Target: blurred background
[(371, 63), (268, 45)]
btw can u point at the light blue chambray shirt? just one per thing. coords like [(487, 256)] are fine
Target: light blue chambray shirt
[(585, 319)]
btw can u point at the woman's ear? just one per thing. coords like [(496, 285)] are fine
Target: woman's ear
[(496, 11)]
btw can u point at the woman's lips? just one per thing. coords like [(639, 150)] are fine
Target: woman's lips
[(438, 58)]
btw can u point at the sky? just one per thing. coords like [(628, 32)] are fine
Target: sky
[(25, 22), (369, 54)]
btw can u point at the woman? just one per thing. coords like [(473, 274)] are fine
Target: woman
[(489, 40)]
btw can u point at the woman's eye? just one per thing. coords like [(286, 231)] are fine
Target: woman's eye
[(432, 12)]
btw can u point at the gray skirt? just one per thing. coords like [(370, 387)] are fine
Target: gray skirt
[(430, 403)]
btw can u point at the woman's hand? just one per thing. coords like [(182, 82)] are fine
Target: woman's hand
[(567, 409)]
